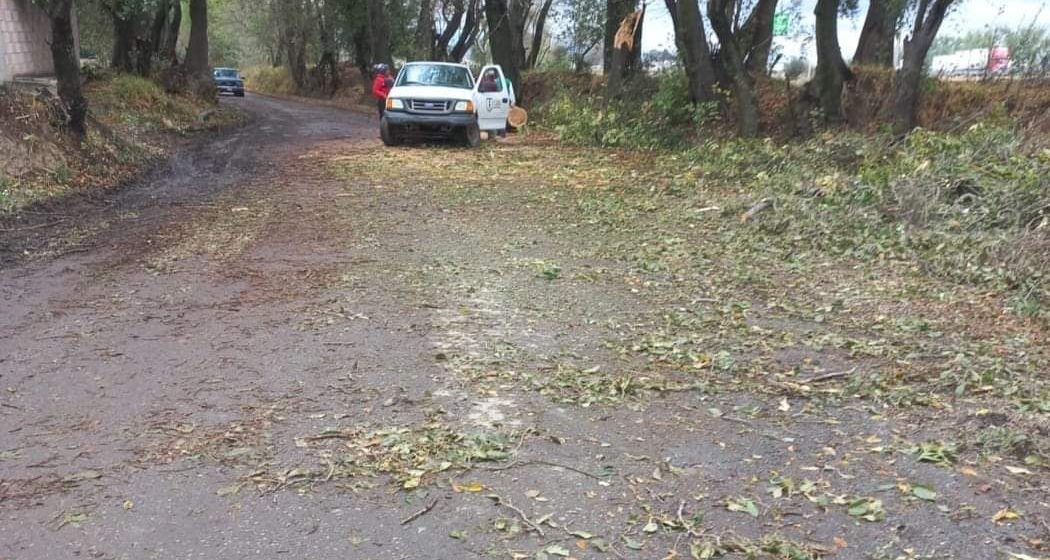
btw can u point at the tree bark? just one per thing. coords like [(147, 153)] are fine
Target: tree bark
[(170, 37), (875, 47), (379, 32), (615, 11), (831, 72), (425, 35), (758, 31), (469, 33), (626, 44), (67, 64), (501, 40), (440, 45), (733, 60), (537, 35), (908, 81), (159, 24), (123, 57), (519, 13), (197, 52), (696, 54), (327, 69)]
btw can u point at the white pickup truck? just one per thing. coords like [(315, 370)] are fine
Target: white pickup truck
[(443, 100)]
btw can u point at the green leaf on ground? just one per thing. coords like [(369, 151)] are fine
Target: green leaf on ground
[(746, 505)]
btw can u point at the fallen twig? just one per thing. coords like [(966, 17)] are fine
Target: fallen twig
[(828, 376), (681, 520), (516, 463), (500, 502), (37, 226), (420, 513), (763, 205)]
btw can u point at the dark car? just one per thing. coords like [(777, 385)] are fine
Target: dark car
[(228, 80)]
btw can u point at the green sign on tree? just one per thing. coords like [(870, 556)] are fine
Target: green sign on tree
[(781, 23)]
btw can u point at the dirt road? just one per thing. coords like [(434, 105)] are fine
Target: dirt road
[(269, 351)]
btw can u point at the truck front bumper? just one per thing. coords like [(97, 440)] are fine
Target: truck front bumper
[(428, 125)]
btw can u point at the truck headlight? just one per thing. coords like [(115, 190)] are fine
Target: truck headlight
[(464, 107), (395, 104)]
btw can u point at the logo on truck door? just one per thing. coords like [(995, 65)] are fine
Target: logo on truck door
[(491, 104)]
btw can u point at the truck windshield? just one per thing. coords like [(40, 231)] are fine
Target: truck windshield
[(225, 73), (435, 75)]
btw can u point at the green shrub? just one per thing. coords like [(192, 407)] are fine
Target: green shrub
[(649, 118)]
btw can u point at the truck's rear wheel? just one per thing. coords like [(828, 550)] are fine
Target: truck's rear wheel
[(388, 133), (472, 135)]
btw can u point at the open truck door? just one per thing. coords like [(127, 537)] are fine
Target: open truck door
[(495, 96)]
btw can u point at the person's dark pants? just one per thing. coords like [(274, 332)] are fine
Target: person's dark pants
[(381, 103)]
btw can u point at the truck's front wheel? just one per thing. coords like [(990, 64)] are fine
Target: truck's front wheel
[(472, 135), (388, 133)]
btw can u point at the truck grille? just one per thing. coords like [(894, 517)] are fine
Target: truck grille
[(435, 106)]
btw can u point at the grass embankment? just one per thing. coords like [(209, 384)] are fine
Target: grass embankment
[(969, 203), (132, 123)]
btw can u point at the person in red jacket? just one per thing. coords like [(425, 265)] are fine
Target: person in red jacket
[(381, 86)]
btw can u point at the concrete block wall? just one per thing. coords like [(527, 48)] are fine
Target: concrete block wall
[(24, 35)]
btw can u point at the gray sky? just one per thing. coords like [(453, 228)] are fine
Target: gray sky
[(969, 14)]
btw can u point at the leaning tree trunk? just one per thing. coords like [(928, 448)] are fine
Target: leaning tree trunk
[(692, 43), (733, 60), (875, 47), (468, 34), (197, 52), (626, 43), (908, 81), (66, 60), (501, 40), (537, 35), (831, 72), (379, 32), (615, 12), (439, 42), (759, 29)]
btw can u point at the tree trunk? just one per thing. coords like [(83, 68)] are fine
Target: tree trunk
[(501, 40), (424, 40), (537, 35), (733, 60), (379, 32), (159, 24), (197, 52), (908, 81), (875, 47), (759, 36), (468, 35), (615, 12), (67, 65), (439, 46), (519, 13), (123, 58), (170, 40), (831, 72), (692, 43), (327, 70), (626, 44)]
